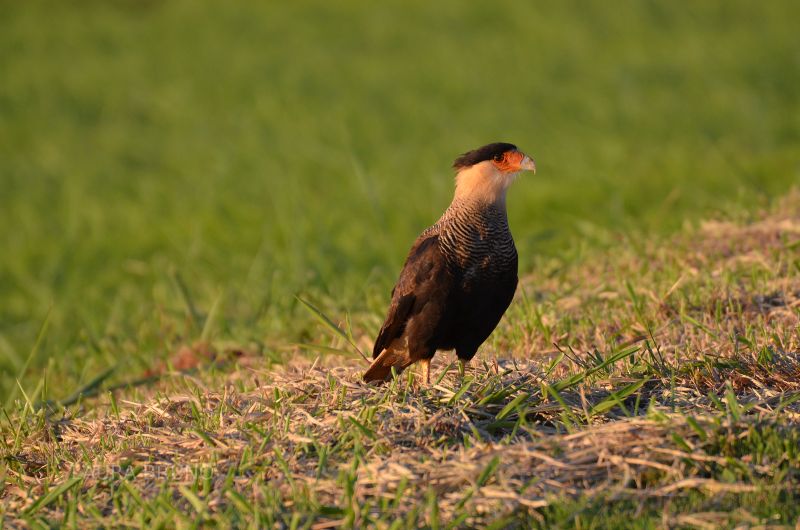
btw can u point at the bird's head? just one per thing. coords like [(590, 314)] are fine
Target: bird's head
[(487, 172)]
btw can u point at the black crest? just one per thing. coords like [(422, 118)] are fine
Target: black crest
[(487, 152)]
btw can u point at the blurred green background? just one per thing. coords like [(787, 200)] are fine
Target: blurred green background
[(160, 158)]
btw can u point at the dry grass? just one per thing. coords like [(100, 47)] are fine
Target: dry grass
[(664, 376)]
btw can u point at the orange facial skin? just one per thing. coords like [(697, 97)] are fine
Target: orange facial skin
[(510, 162)]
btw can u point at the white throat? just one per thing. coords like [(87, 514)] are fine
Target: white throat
[(483, 182)]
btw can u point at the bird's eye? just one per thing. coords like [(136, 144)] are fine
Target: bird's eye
[(499, 158)]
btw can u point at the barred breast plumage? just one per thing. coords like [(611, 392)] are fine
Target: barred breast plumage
[(475, 239), (461, 273)]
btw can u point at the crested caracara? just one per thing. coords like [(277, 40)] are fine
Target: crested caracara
[(460, 274)]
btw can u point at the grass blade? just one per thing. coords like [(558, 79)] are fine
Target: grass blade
[(187, 299), (577, 378), (488, 471), (616, 398), (211, 318), (328, 323), (89, 389), (39, 337), (49, 497), (196, 502), (461, 391), (512, 405), (323, 348)]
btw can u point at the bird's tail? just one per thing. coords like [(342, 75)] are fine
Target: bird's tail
[(381, 367)]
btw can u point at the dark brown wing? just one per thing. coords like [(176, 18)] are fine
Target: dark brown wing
[(420, 281)]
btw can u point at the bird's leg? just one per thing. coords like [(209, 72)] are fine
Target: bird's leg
[(426, 367), (463, 367)]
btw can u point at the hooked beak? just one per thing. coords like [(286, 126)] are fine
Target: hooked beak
[(527, 163)]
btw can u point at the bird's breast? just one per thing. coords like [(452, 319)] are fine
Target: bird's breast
[(477, 243)]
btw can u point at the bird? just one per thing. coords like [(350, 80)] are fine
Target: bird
[(460, 274)]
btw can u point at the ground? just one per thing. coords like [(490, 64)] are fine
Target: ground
[(661, 380)]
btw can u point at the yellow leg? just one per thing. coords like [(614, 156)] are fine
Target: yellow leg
[(426, 368)]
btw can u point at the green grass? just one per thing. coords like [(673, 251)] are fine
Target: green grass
[(177, 177)]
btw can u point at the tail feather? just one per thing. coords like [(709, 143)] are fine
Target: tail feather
[(381, 367)]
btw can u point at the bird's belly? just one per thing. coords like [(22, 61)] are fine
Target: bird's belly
[(485, 290), (476, 312), (488, 273)]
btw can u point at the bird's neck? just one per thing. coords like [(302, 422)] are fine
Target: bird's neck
[(482, 184), (474, 211)]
